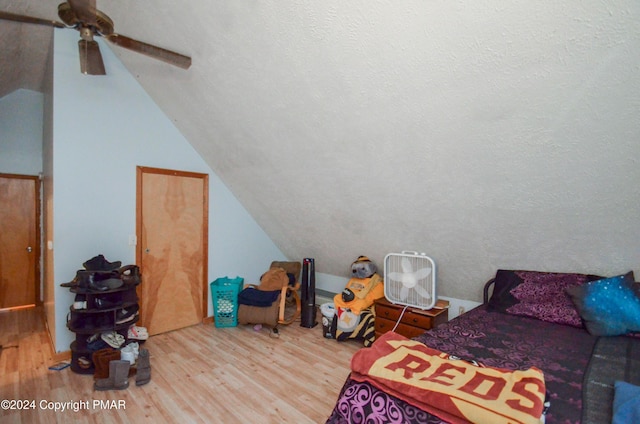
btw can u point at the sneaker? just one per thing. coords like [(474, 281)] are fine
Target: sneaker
[(130, 352), (78, 305), (137, 333)]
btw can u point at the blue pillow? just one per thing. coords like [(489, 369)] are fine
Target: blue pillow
[(626, 403), (608, 307)]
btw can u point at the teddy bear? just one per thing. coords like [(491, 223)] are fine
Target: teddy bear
[(361, 291), (363, 288)]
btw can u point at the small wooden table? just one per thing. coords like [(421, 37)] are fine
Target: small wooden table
[(414, 321)]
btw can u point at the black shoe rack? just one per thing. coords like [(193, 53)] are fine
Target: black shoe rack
[(102, 312)]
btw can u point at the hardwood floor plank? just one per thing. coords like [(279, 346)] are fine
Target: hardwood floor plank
[(199, 374)]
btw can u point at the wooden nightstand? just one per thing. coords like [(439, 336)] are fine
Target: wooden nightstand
[(414, 321)]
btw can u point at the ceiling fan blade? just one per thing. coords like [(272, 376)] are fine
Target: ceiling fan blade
[(155, 52), (30, 20), (90, 58), (85, 10)]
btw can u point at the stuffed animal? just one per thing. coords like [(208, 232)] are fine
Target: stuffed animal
[(363, 288)]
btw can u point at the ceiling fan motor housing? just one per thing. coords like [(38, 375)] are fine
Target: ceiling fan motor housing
[(98, 23)]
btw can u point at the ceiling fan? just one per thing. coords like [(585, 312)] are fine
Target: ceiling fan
[(83, 16)]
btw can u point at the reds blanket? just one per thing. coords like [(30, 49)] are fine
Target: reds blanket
[(451, 389)]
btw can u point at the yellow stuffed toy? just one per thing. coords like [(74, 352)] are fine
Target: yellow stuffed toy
[(363, 289)]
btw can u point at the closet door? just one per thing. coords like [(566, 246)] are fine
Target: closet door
[(172, 251), (19, 240)]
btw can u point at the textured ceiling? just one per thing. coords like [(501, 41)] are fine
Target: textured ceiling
[(23, 55), (487, 134)]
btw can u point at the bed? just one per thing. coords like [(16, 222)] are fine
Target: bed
[(532, 320)]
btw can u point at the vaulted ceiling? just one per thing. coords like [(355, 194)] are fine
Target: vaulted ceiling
[(486, 134)]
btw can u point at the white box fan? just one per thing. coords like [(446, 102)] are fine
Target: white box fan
[(410, 279)]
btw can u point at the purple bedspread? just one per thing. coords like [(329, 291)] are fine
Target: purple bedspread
[(496, 339)]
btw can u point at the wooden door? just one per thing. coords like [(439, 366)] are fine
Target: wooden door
[(172, 250), (19, 240)]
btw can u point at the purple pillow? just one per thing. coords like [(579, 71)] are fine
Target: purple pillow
[(539, 295)]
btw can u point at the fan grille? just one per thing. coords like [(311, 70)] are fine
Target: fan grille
[(410, 279)]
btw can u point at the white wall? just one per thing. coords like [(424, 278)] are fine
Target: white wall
[(332, 284), (21, 133), (104, 126)]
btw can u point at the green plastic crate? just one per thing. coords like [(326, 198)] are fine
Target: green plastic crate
[(224, 295)]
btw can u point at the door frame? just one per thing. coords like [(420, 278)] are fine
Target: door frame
[(38, 242), (140, 171)]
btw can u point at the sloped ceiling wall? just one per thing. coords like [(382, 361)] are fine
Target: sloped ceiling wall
[(23, 55), (486, 134)]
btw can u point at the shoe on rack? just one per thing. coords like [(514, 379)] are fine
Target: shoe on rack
[(131, 318), (84, 282), (79, 305), (84, 363), (127, 314), (99, 263), (102, 303), (108, 284), (113, 339), (97, 345), (137, 333), (80, 302), (80, 275), (107, 280), (94, 281), (130, 274)]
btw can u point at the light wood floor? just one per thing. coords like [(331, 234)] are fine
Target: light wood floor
[(198, 374)]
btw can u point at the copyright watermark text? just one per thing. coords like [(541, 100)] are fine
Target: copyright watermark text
[(57, 406)]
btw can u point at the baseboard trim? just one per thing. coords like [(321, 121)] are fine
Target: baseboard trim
[(324, 296), (55, 356), (61, 356)]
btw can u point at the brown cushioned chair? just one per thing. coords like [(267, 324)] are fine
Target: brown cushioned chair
[(285, 309)]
